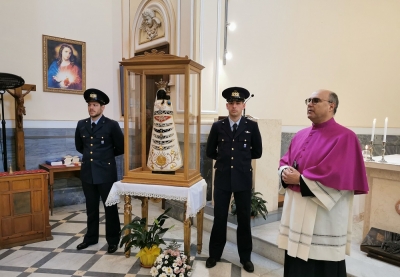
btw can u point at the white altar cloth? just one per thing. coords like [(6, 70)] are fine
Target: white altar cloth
[(390, 159), (195, 196)]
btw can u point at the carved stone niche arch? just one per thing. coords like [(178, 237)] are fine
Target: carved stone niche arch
[(166, 32)]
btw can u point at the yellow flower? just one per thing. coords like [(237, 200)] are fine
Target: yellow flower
[(148, 256)]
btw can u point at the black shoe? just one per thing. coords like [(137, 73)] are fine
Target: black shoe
[(112, 248), (211, 262), (83, 245), (248, 266)]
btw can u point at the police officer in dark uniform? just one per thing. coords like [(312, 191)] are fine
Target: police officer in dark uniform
[(233, 142), (99, 139)]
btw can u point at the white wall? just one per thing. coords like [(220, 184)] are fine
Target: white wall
[(96, 22), (284, 50)]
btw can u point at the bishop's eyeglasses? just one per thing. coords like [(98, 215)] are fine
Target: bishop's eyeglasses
[(315, 100)]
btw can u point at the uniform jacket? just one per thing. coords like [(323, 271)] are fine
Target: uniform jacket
[(99, 148), (233, 155)]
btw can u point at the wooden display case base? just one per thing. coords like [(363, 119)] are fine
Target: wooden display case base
[(147, 177)]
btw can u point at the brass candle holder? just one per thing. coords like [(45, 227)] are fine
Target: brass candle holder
[(383, 153), (370, 148)]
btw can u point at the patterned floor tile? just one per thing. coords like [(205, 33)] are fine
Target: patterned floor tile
[(60, 258)]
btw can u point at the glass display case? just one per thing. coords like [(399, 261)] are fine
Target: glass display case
[(162, 116)]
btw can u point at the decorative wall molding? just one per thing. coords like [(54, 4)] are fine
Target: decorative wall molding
[(202, 30), (217, 59), (166, 31), (179, 109)]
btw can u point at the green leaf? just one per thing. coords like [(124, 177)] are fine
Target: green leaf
[(140, 237)]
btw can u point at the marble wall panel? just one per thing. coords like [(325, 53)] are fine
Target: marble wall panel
[(48, 143), (42, 144), (286, 138), (392, 143), (68, 196)]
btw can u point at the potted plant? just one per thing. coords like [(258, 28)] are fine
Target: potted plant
[(172, 262), (257, 205), (147, 239)]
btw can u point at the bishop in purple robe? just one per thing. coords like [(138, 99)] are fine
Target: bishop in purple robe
[(320, 174)]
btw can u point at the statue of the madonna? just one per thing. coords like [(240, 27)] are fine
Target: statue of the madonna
[(164, 154)]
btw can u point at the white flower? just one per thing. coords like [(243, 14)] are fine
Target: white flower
[(181, 275), (159, 266), (163, 275), (166, 256), (153, 271), (174, 264), (189, 273), (169, 270)]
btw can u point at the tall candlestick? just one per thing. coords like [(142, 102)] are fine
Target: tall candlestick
[(385, 130), (373, 129)]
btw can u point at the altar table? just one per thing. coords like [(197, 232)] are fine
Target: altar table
[(194, 198), (382, 203)]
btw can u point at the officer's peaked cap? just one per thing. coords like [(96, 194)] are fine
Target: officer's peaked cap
[(235, 94), (95, 95)]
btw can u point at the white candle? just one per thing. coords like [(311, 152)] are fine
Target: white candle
[(385, 130), (373, 129)]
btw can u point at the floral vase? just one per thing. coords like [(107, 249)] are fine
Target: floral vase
[(148, 256)]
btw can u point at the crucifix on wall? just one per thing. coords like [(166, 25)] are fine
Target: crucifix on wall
[(20, 111)]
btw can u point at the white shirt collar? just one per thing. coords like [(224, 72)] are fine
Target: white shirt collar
[(231, 122)]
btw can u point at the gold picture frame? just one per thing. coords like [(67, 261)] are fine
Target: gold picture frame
[(64, 65)]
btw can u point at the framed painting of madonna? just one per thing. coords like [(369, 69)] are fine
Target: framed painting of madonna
[(64, 65)]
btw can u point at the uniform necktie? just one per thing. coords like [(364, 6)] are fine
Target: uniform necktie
[(234, 128), (93, 125)]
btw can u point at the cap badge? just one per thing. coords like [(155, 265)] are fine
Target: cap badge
[(235, 93), (93, 95)]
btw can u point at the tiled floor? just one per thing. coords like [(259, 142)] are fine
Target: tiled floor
[(59, 257)]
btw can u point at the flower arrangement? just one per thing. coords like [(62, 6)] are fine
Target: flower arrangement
[(147, 239), (172, 262)]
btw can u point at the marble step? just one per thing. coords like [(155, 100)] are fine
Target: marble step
[(260, 246), (264, 244)]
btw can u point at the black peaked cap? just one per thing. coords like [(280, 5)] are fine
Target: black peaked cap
[(95, 95), (235, 94)]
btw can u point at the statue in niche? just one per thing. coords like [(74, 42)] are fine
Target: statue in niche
[(164, 153), (150, 24)]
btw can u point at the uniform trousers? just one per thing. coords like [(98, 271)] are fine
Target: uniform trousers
[(222, 199), (93, 192)]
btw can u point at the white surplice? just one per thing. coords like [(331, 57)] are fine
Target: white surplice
[(317, 227)]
